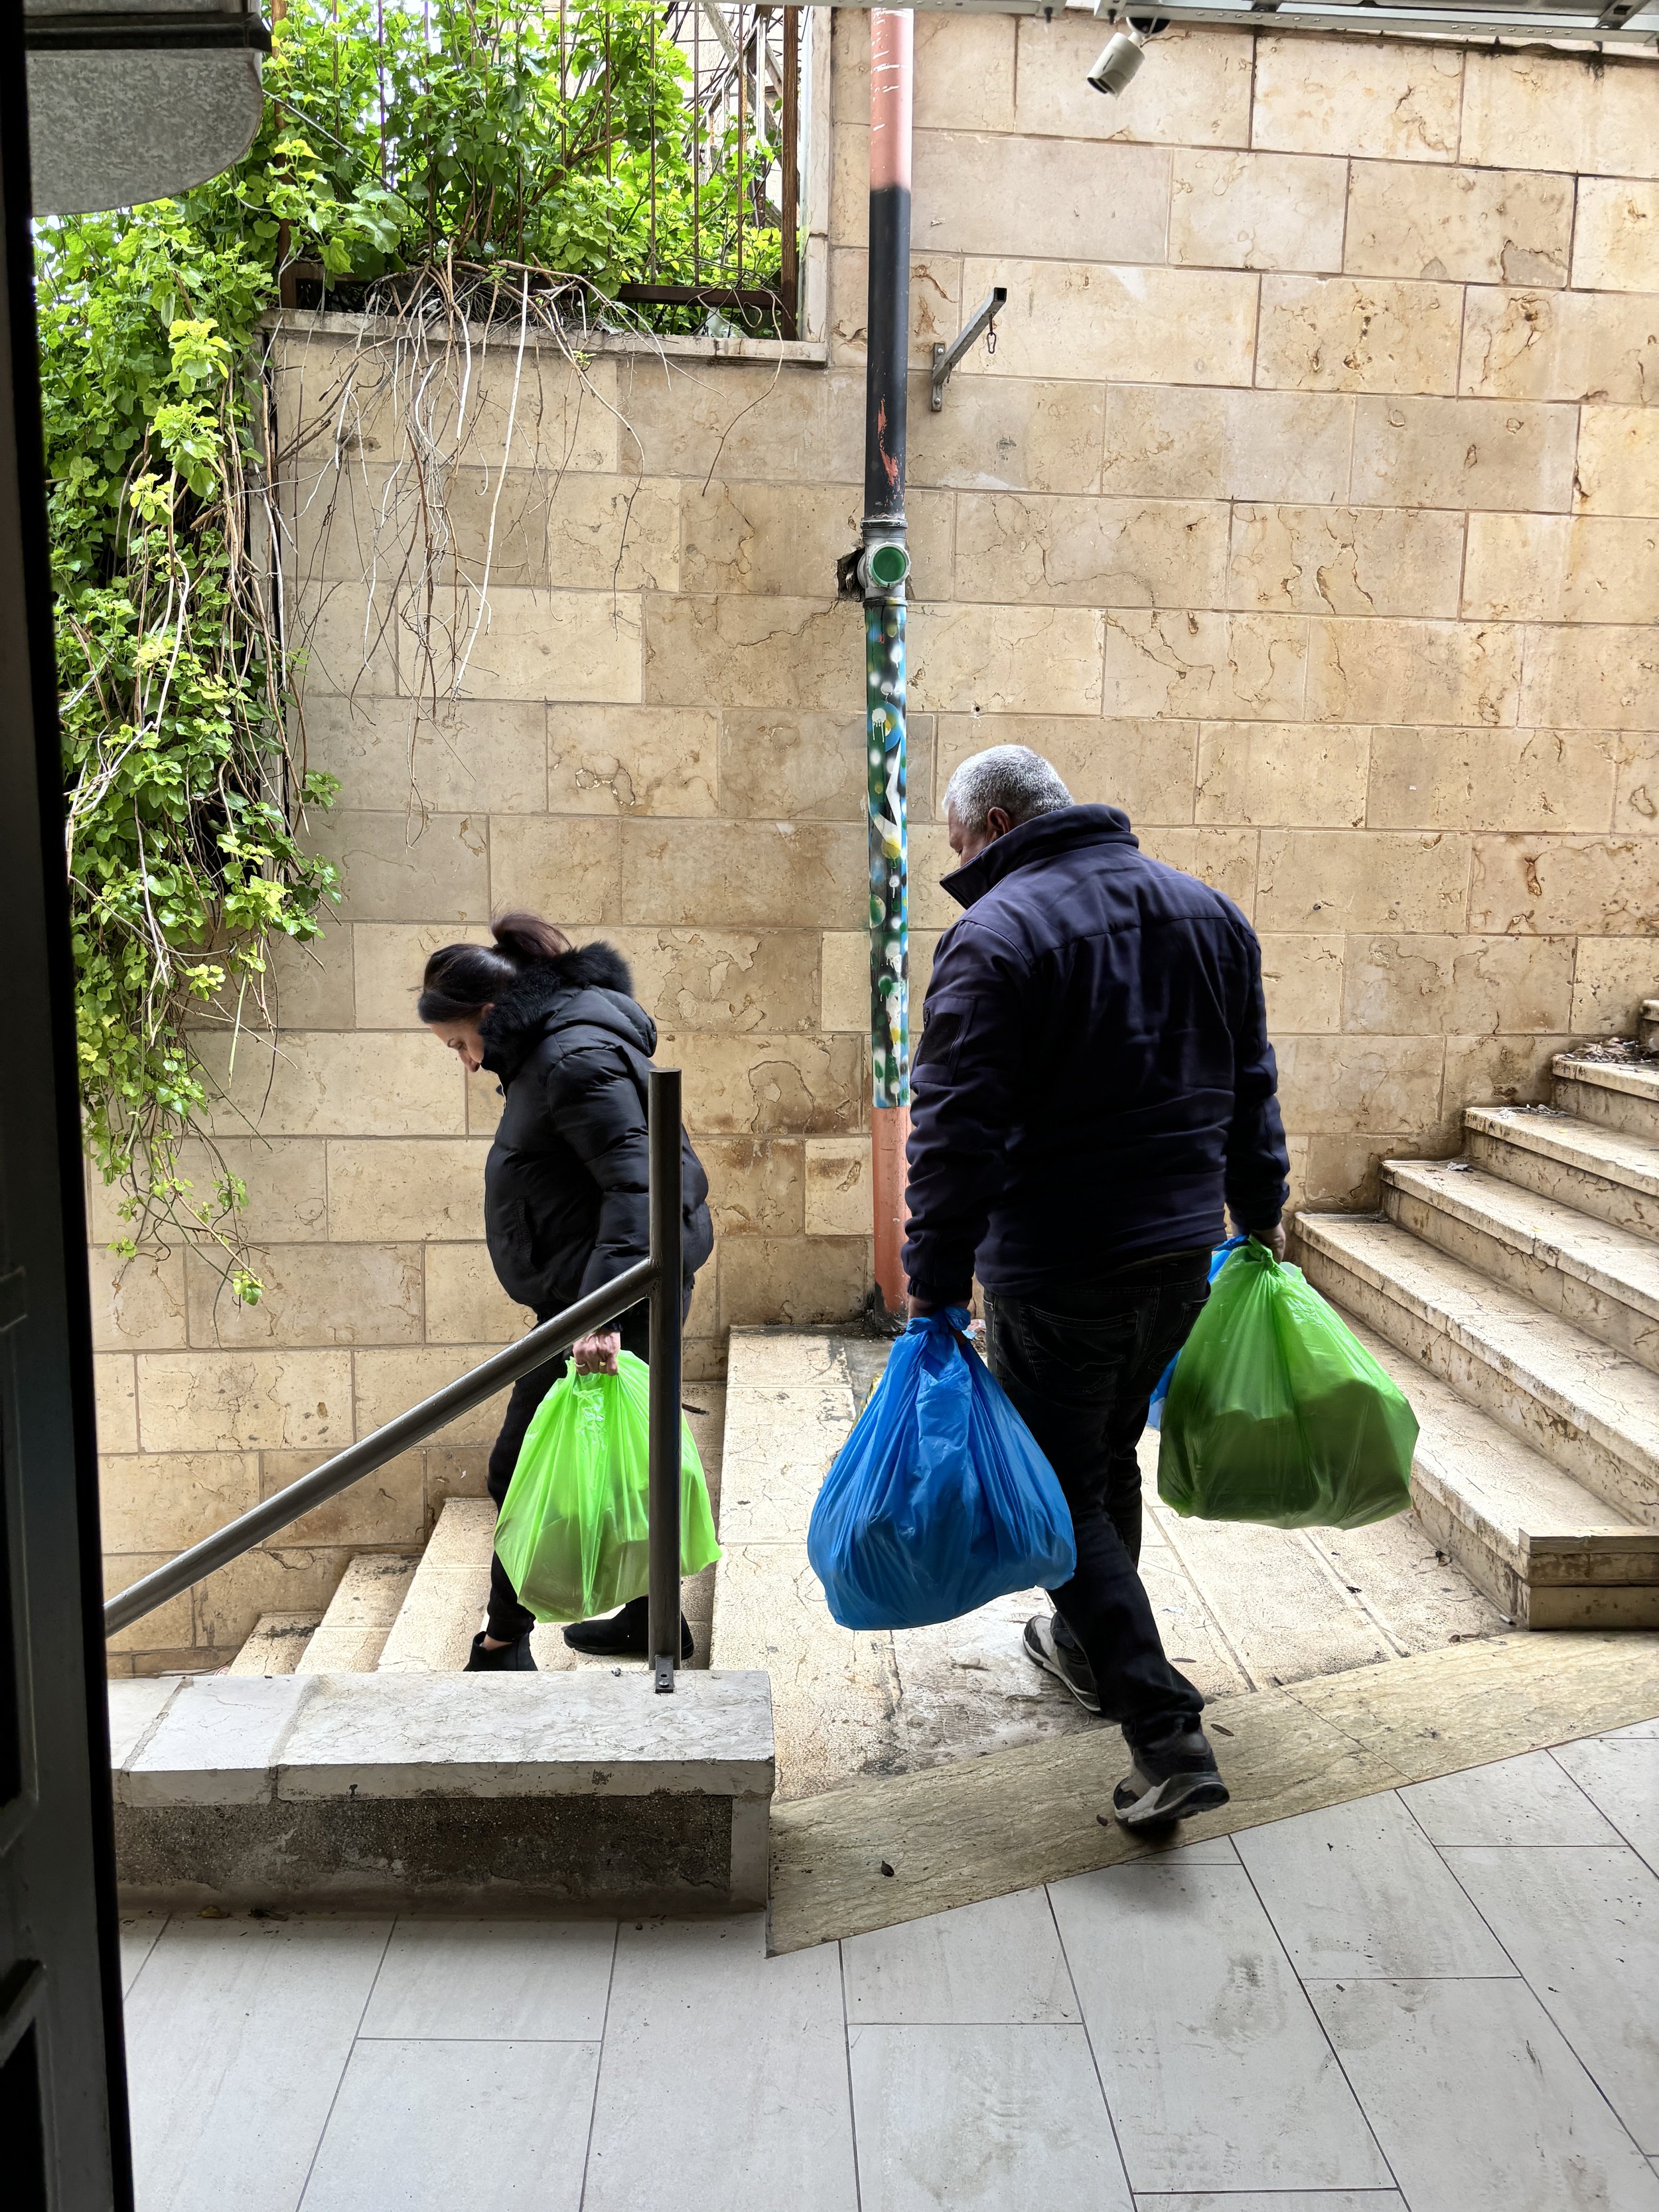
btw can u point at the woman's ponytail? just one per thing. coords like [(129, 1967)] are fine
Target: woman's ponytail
[(524, 938), (461, 980)]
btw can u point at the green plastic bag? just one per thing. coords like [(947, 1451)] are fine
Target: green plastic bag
[(1277, 1413), (573, 1532)]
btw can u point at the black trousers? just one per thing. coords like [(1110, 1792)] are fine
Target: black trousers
[(506, 1619), (1079, 1361)]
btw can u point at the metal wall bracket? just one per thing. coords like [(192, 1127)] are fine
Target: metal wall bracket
[(983, 319)]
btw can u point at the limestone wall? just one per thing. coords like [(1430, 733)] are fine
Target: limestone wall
[(1307, 508)]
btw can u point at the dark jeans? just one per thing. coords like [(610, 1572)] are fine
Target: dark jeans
[(506, 1619), (1079, 1361)]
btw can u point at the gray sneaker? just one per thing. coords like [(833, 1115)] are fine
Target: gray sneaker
[(1063, 1661), (1170, 1781)]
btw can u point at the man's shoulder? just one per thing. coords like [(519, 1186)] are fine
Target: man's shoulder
[(1088, 894)]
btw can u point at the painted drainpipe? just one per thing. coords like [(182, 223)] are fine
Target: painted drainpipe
[(885, 566)]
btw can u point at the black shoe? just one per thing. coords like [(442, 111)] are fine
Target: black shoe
[(621, 1635), (1064, 1661), (512, 1659), (1170, 1780)]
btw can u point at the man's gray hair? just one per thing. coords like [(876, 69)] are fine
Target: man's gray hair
[(1021, 782)]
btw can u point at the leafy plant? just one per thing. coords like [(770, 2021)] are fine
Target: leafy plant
[(182, 802)]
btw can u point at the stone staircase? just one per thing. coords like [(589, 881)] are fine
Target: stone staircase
[(1514, 1294), (394, 1614), (397, 1613)]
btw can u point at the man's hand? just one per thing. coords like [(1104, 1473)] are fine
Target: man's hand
[(596, 1354), (1272, 1238), (917, 1308)]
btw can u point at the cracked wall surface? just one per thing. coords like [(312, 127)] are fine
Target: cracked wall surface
[(1308, 507)]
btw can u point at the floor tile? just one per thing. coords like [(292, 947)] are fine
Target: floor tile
[(238, 2031), (427, 2126), (1582, 1925), (1359, 1889), (138, 1932), (1217, 2073), (1477, 2101), (518, 1980), (982, 1964), (1622, 1780), (1530, 1800), (978, 2119), (1212, 1850), (1638, 1732), (724, 2086), (1281, 2200)]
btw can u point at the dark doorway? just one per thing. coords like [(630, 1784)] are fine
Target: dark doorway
[(62, 2109)]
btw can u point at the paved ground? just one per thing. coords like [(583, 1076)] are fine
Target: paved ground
[(1240, 1608), (1440, 1999)]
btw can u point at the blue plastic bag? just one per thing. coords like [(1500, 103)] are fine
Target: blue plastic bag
[(939, 1500), (1218, 1261)]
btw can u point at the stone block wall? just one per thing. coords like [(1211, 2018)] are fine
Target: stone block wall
[(1307, 508)]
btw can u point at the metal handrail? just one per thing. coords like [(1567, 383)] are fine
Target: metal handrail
[(657, 1280)]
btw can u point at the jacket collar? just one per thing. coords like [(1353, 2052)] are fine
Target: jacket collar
[(1042, 839), (590, 983)]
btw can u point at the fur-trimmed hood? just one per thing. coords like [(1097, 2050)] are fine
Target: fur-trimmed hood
[(590, 986)]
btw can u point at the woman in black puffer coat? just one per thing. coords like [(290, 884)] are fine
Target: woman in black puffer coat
[(565, 1184)]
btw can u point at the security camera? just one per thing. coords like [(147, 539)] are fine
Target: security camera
[(1119, 58)]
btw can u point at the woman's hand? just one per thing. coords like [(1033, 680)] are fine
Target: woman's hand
[(596, 1354)]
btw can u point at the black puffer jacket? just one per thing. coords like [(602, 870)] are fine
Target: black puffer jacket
[(565, 1185)]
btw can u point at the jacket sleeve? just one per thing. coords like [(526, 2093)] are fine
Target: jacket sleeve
[(597, 1109), (964, 1084), (1257, 1162)]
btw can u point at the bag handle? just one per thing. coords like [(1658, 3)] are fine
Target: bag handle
[(953, 1321)]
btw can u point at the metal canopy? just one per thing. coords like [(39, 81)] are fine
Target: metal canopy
[(1597, 23), (132, 102), (1579, 20)]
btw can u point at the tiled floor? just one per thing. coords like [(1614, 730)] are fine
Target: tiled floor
[(1442, 1999)]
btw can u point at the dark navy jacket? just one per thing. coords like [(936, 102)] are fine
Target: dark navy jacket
[(1094, 1075)]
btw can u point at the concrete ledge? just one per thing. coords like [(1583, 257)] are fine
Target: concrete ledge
[(591, 1734), (806, 353), (578, 1791)]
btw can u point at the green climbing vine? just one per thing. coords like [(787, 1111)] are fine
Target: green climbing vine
[(468, 143)]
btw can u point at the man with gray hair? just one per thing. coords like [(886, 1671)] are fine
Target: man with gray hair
[(1093, 1085)]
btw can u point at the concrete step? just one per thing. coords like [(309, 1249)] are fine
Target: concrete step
[(443, 1607), (520, 1794), (353, 1631), (1590, 1409), (986, 1827), (1604, 1280), (276, 1645), (1546, 1551), (1599, 1171), (1613, 1085)]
